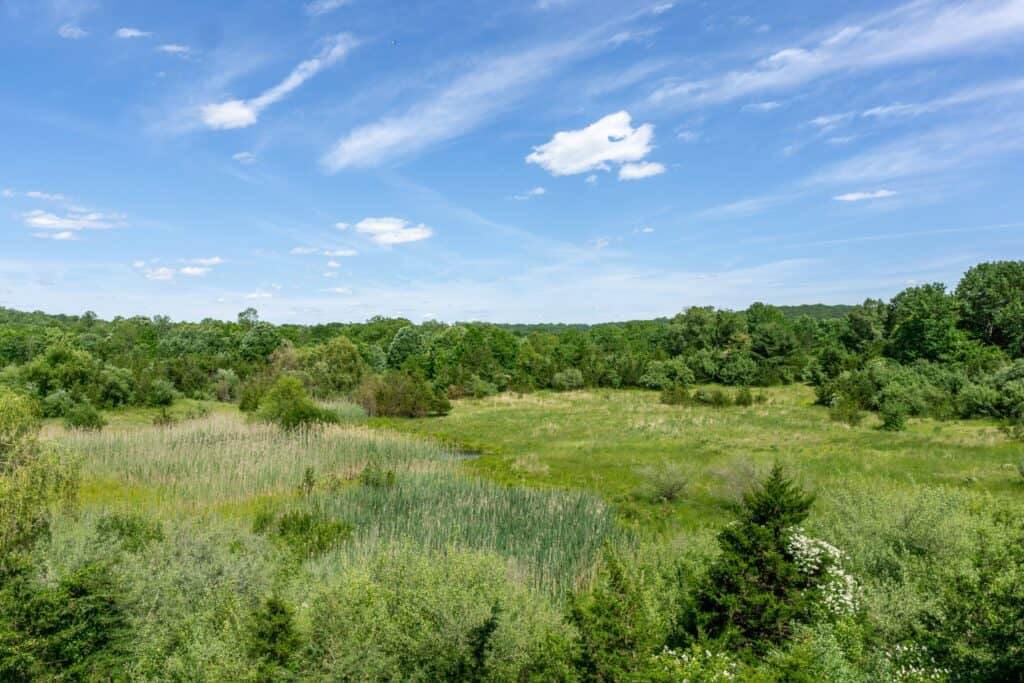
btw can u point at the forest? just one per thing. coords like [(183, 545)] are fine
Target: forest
[(805, 493)]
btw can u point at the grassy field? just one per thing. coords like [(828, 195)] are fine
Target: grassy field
[(615, 443)]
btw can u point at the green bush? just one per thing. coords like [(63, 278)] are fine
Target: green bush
[(58, 404), (19, 423), (375, 476), (768, 577), (273, 639), (132, 531), (84, 416), (569, 379), (288, 405), (676, 395), (847, 411), (894, 415), (744, 397), (400, 394), (712, 397), (306, 534), (160, 392), (73, 630)]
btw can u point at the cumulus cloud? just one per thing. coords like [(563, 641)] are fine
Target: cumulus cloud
[(333, 264), (244, 113), (862, 196), (211, 261), (638, 171), (610, 140), (388, 231), (71, 32), (132, 33)]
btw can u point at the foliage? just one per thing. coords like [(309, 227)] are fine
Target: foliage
[(84, 415), (132, 531), (306, 533), (755, 592), (568, 380), (400, 394), (288, 405)]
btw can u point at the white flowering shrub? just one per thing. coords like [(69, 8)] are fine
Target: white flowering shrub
[(822, 562), (913, 664), (695, 665)]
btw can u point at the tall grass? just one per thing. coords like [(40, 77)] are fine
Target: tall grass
[(220, 460), (551, 537)]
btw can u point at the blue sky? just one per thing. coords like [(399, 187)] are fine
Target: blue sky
[(560, 160)]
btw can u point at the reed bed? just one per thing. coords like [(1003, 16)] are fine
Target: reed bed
[(222, 460)]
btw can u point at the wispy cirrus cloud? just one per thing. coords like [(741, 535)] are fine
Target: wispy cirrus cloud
[(864, 196), (979, 93), (244, 113), (321, 7), (470, 99), (73, 220), (71, 32), (128, 32), (915, 31)]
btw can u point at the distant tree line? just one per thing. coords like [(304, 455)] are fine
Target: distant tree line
[(928, 351)]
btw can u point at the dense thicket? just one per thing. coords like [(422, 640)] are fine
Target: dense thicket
[(928, 351)]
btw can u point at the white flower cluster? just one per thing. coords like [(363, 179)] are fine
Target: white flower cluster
[(823, 561), (912, 663), (697, 664)]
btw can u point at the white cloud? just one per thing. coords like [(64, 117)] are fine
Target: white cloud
[(862, 196), (388, 231), (175, 49), (762, 106), (662, 8), (647, 230), (591, 179), (8, 193), (244, 158), (611, 139), (258, 295), (341, 252), (243, 113), (535, 192), (211, 261), (831, 121), (71, 32), (46, 196), (66, 235), (644, 169), (600, 243), (319, 7), (333, 264), (342, 226), (304, 251), (340, 290), (687, 136), (916, 31), (138, 264), (132, 33), (194, 271), (160, 274), (73, 220), (966, 96), (457, 109), (929, 153)]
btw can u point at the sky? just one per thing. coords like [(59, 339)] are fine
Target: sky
[(542, 160)]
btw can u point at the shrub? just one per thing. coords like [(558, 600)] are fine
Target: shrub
[(480, 388), (58, 404), (114, 387), (19, 423), (376, 477), (160, 392), (132, 531), (400, 394), (225, 385), (712, 397), (619, 623), (288, 405), (307, 534), (667, 481), (273, 638), (978, 400), (755, 592), (164, 418), (894, 415), (744, 397), (569, 379), (847, 411), (676, 395), (84, 415), (73, 630)]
